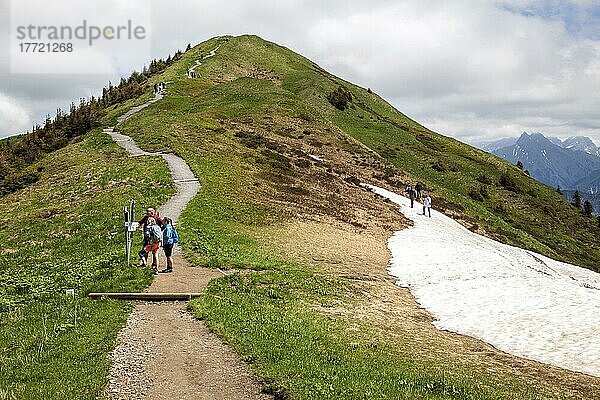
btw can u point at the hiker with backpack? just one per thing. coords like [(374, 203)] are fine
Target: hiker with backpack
[(419, 190), (153, 237), (143, 223), (427, 205), (411, 195), (170, 238), (150, 213)]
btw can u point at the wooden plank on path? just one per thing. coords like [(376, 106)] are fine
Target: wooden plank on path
[(146, 296)]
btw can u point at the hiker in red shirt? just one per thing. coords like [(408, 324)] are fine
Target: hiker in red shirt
[(150, 213)]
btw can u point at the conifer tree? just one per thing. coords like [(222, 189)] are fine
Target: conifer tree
[(520, 165), (577, 199), (588, 209)]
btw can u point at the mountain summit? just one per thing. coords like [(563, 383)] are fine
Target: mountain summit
[(296, 136), (553, 162)]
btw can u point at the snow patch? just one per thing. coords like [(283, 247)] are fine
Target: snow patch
[(518, 301)]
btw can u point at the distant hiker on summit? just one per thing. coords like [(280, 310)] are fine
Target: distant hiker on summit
[(170, 238), (159, 87), (419, 190), (427, 205), (411, 194)]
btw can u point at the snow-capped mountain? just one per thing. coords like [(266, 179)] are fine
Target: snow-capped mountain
[(550, 163), (581, 143), (573, 163), (493, 145)]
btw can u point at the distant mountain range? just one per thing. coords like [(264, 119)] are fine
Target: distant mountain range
[(577, 143), (573, 163)]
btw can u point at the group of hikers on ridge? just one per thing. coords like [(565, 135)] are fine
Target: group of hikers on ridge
[(417, 193), (158, 232), (159, 87)]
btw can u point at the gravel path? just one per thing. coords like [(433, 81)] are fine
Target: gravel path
[(163, 352), (198, 63)]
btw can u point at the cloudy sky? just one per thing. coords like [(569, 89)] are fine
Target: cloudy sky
[(473, 70)]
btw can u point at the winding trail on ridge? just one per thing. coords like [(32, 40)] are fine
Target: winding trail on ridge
[(163, 352), (198, 63), (519, 301)]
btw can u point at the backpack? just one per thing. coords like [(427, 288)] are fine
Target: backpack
[(154, 233), (170, 235)]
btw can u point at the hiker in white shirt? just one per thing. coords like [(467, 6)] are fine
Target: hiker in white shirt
[(427, 205)]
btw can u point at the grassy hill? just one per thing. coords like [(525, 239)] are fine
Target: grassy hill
[(62, 232), (308, 303), (256, 86)]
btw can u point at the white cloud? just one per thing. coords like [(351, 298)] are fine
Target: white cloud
[(13, 116), (468, 69)]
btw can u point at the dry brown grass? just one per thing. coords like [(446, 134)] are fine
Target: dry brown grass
[(342, 230), (376, 308)]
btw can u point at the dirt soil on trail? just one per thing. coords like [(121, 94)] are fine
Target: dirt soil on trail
[(165, 353)]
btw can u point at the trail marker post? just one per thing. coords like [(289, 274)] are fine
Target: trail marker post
[(130, 228)]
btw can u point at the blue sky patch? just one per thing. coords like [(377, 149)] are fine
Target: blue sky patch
[(580, 20)]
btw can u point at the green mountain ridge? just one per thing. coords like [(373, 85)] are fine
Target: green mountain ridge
[(279, 150), (252, 78)]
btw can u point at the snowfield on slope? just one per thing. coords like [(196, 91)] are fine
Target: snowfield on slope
[(519, 301)]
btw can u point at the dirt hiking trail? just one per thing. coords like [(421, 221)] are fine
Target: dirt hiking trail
[(164, 352)]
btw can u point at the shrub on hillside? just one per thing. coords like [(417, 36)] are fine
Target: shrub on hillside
[(475, 194), (302, 163), (520, 165), (485, 179), (340, 98), (438, 166), (18, 181), (577, 200), (508, 182), (275, 160), (500, 209), (252, 140), (588, 209), (479, 194)]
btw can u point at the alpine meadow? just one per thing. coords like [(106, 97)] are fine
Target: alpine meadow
[(280, 148)]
